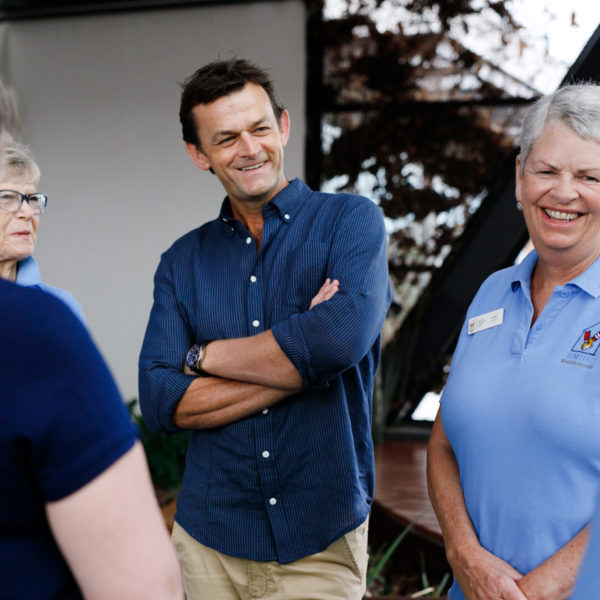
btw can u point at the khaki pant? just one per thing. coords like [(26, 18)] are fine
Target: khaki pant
[(339, 572)]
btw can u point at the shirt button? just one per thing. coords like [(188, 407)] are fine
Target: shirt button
[(272, 501), (286, 217), (253, 278), (248, 240), (265, 454), (265, 411), (564, 294), (255, 323)]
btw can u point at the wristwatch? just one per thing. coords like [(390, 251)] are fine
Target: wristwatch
[(194, 357)]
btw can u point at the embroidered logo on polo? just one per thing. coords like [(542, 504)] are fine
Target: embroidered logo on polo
[(585, 349), (589, 340)]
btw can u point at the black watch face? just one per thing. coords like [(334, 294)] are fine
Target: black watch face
[(192, 357)]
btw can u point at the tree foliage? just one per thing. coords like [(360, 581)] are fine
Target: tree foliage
[(416, 119)]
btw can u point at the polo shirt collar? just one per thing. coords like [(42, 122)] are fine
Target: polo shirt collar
[(522, 277), (588, 281), (28, 272)]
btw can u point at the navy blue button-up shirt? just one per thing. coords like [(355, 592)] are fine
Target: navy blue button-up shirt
[(290, 480)]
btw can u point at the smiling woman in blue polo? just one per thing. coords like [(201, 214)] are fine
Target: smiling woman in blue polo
[(514, 455)]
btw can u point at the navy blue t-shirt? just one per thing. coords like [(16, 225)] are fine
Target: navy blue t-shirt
[(62, 422)]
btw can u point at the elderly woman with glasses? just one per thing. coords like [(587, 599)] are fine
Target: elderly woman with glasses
[(514, 454), (20, 208)]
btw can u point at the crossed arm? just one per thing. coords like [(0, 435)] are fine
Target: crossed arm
[(480, 574), (248, 374)]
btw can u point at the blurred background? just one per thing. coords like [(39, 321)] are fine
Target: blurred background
[(414, 103)]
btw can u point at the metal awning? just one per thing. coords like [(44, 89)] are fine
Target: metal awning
[(28, 9)]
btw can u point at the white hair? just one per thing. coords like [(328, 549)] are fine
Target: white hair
[(575, 105)]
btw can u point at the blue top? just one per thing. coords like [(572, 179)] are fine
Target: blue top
[(588, 582), (522, 411), (28, 274), (62, 423), (316, 483)]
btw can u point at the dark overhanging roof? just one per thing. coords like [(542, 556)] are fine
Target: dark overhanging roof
[(34, 9), (491, 241)]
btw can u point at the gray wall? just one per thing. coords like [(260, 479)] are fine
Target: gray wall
[(99, 98)]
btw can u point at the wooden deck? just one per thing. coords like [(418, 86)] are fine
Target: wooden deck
[(401, 486)]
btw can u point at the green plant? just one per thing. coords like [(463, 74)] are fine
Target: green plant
[(428, 589), (165, 454), (379, 560)]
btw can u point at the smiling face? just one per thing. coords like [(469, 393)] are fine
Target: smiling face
[(18, 230), (242, 142), (559, 190)]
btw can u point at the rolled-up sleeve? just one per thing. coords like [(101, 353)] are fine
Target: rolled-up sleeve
[(336, 334), (162, 382)]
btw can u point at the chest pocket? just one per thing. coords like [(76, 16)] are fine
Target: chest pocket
[(304, 273)]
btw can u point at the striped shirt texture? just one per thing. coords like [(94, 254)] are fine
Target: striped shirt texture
[(287, 482)]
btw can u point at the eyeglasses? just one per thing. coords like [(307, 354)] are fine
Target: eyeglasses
[(11, 201)]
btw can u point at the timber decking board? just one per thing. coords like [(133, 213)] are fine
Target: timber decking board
[(401, 486)]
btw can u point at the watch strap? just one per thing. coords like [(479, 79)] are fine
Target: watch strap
[(197, 364)]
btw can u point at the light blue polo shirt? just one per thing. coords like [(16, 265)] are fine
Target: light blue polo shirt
[(521, 409), (28, 275), (588, 582)]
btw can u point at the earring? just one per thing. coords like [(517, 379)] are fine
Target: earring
[(519, 206)]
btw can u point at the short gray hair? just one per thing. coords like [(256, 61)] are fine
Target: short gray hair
[(19, 161), (576, 105)]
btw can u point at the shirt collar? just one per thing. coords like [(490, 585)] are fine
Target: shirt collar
[(28, 272), (588, 281), (286, 203), (289, 200), (522, 277)]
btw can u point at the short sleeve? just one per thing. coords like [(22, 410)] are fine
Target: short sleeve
[(60, 403)]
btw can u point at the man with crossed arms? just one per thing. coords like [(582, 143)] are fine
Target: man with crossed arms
[(264, 339)]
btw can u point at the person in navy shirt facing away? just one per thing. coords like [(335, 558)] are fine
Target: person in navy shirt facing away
[(264, 339), (78, 515)]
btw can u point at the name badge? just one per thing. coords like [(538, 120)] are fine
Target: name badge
[(485, 321)]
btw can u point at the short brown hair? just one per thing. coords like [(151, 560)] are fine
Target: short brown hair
[(218, 79)]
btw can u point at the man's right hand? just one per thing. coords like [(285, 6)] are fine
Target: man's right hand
[(328, 290)]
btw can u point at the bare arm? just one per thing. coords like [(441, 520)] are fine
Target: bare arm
[(259, 359), (215, 401), (555, 577), (113, 537), (480, 574)]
